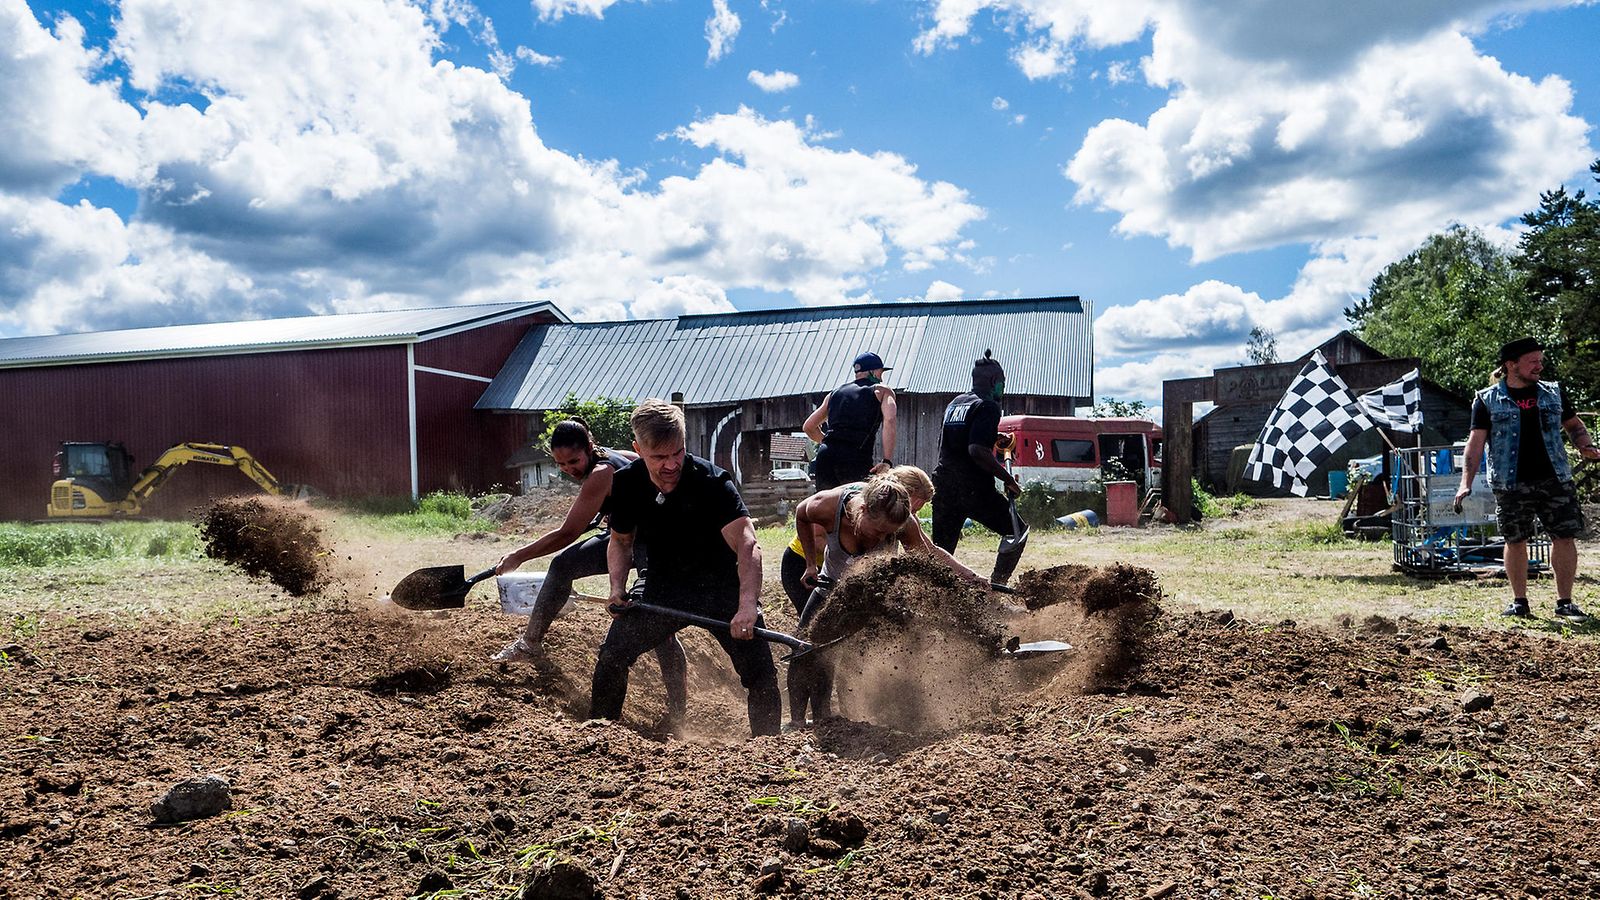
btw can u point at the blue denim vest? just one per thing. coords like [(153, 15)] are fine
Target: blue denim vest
[(1505, 433)]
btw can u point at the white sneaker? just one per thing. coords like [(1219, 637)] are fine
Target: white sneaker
[(519, 650)]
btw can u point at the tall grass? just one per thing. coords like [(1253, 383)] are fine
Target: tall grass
[(36, 546), (440, 512)]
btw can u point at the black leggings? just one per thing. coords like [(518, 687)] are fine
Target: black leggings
[(811, 676)]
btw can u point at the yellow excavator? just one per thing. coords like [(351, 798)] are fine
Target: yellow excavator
[(96, 480)]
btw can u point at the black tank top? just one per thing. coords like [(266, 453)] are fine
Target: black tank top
[(854, 415), (607, 457)]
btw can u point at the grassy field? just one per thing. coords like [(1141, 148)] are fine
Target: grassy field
[(1267, 561)]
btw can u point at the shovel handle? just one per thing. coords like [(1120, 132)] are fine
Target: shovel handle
[(1002, 589), (766, 634), (486, 573)]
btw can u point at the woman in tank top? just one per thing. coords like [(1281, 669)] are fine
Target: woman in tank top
[(851, 522)]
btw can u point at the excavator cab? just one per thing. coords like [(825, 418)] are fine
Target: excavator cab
[(90, 476)]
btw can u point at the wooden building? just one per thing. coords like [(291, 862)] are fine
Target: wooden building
[(745, 377)]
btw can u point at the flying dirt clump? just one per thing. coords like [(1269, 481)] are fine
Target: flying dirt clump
[(270, 539)]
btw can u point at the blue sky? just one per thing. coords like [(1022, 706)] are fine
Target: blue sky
[(1194, 168)]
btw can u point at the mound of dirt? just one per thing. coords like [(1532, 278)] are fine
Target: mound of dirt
[(268, 538), (903, 592), (1095, 590)]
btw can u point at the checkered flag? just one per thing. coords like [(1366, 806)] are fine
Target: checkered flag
[(1316, 416), (1397, 405)]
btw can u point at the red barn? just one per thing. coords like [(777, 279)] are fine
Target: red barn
[(362, 404)]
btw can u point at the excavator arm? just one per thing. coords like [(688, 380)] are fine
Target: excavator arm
[(213, 454)]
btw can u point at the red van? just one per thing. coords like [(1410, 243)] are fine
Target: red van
[(1067, 451)]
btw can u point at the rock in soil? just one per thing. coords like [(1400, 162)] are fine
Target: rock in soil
[(565, 880), (197, 798)]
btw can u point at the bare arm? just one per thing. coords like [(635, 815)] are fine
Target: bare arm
[(741, 537), (813, 425), (579, 516), (886, 403), (1580, 438), (811, 520), (915, 541), (1469, 462), (619, 559)]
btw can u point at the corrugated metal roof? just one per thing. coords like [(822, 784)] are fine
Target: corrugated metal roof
[(1046, 346), (300, 332)]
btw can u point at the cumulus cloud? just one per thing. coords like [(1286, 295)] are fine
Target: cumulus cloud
[(775, 81), (943, 290), (338, 164), (1354, 129), (551, 10), (721, 29)]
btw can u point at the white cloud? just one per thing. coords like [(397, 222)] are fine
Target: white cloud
[(999, 103), (340, 165), (775, 81), (940, 291), (1120, 72), (1355, 129), (535, 58), (721, 29), (551, 10), (1141, 380)]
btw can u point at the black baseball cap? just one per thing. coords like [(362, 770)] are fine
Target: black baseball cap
[(867, 362), (1518, 348)]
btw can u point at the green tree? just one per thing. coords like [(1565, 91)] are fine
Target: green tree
[(1262, 348), (606, 417), (1451, 303), (1110, 408), (1560, 259)]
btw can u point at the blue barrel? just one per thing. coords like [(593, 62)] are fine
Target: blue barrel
[(1338, 482), (1083, 518), (1441, 462)]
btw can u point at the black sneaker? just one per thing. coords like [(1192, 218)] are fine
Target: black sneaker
[(1566, 609), (1518, 609)]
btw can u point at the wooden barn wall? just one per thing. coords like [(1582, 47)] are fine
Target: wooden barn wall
[(712, 430), (335, 419)]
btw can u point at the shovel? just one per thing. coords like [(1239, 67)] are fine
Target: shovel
[(798, 647), (1016, 649), (439, 587)]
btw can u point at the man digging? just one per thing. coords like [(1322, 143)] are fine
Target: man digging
[(702, 556), (1521, 419)]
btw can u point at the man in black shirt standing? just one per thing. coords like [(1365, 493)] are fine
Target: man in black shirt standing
[(963, 481), (702, 556), (1521, 419), (852, 414)]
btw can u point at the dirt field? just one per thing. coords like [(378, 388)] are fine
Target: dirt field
[(373, 753)]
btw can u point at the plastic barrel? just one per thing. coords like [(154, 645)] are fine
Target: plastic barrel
[(1083, 518), (1338, 482)]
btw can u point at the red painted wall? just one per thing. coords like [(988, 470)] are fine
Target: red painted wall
[(334, 419)]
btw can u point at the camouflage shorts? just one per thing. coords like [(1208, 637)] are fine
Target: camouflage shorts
[(1552, 502)]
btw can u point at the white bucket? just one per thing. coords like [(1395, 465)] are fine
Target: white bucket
[(518, 590)]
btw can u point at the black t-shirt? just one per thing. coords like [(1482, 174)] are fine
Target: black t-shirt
[(682, 534), (1533, 458), (968, 420)]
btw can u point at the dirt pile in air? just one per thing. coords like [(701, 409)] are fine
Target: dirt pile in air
[(907, 592), (268, 538)]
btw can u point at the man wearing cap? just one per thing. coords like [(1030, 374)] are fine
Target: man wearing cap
[(1521, 419), (846, 425), (963, 482)]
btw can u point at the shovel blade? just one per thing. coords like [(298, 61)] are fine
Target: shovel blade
[(1035, 648), (437, 587)]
